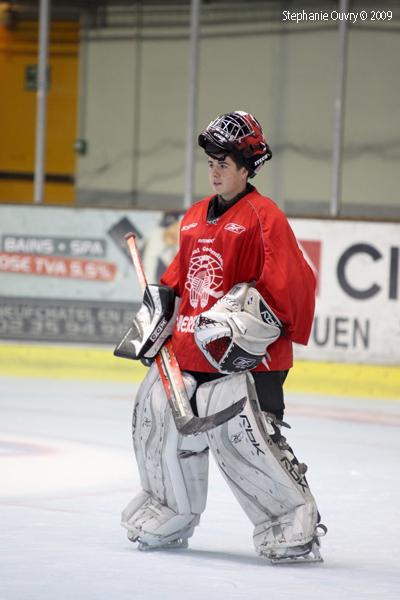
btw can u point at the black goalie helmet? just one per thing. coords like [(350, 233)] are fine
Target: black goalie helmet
[(240, 134)]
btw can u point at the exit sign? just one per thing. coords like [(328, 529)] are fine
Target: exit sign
[(31, 77)]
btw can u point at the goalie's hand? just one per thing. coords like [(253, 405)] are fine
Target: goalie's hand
[(152, 324), (236, 332)]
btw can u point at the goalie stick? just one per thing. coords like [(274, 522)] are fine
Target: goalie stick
[(186, 422)]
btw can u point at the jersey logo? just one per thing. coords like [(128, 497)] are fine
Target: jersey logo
[(190, 226), (235, 228), (204, 277)]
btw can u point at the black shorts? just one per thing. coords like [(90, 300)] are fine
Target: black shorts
[(269, 386)]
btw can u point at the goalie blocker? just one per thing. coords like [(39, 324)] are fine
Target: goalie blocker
[(152, 324)]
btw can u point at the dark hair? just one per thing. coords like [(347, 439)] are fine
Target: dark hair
[(234, 154)]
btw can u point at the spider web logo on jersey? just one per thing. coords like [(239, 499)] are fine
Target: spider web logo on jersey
[(204, 278)]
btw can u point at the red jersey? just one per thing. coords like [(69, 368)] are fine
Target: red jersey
[(251, 242)]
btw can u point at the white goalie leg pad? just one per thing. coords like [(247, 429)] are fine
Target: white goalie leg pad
[(173, 469), (260, 467)]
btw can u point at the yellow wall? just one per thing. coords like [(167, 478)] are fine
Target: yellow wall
[(18, 49)]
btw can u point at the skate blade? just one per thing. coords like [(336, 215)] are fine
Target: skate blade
[(314, 556), (291, 560), (173, 545)]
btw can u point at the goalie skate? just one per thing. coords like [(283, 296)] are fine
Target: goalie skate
[(178, 544), (307, 553), (161, 543)]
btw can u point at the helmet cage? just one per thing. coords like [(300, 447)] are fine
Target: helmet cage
[(240, 134), (230, 128)]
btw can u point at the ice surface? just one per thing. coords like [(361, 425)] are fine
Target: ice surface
[(67, 470)]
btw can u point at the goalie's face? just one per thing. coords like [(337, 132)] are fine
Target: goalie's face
[(226, 178)]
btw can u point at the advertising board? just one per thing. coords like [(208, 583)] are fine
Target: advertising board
[(66, 276)]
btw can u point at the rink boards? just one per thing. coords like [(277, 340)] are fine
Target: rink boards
[(86, 363), (66, 277)]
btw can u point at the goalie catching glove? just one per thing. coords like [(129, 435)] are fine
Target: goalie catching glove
[(235, 333), (152, 324)]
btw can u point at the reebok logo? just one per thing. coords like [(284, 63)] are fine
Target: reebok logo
[(242, 363), (190, 226), (235, 228), (250, 434), (294, 474)]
